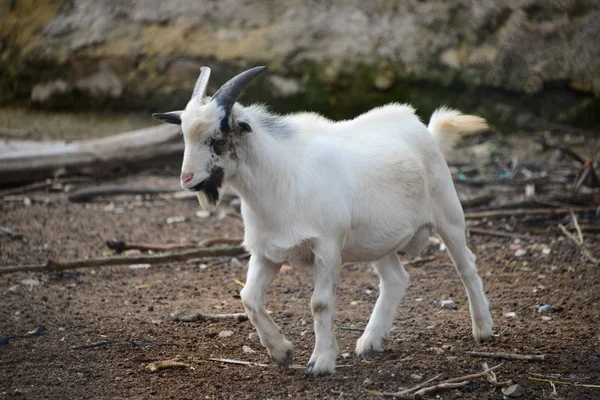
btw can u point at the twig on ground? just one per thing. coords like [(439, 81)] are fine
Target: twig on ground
[(238, 362), (478, 201), (521, 212), (531, 378), (52, 265), (38, 332), (508, 356), (41, 185), (86, 194), (155, 366), (119, 245), (109, 342), (421, 390), (486, 232), (583, 200), (180, 316), (586, 253)]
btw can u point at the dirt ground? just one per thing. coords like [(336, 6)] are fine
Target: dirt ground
[(86, 306)]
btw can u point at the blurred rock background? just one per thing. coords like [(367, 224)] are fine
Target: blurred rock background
[(340, 57)]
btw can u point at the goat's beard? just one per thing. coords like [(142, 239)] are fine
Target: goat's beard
[(207, 191), (205, 203)]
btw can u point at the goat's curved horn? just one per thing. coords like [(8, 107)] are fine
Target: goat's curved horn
[(201, 84), (227, 95)]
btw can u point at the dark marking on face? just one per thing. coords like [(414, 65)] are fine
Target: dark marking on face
[(212, 184), (224, 126)]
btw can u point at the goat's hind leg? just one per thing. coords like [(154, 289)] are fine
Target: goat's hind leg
[(393, 283), (451, 228), (261, 273)]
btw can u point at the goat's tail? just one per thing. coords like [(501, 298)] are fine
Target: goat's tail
[(447, 124)]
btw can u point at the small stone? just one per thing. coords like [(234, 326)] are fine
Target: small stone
[(27, 201), (545, 307), (303, 333), (224, 334), (367, 382), (30, 282), (175, 220), (419, 299), (139, 266), (247, 349), (345, 355), (202, 214), (546, 251), (354, 303), (368, 291), (202, 267), (252, 335), (430, 327), (510, 314), (546, 318), (513, 391), (448, 304), (416, 377), (13, 289), (520, 252)]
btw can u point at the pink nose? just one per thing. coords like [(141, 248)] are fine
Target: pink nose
[(186, 177)]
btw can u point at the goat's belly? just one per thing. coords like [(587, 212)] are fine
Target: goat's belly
[(363, 248)]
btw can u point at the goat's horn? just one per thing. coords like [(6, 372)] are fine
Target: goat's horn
[(201, 84), (227, 95)]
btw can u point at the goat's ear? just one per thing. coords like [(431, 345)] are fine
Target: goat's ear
[(243, 126), (173, 117)]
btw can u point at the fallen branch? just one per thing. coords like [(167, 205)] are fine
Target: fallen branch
[(52, 265), (486, 232), (180, 316), (26, 161), (520, 212), (120, 245), (478, 201), (580, 244), (109, 342), (86, 194), (238, 362), (42, 185), (582, 200), (419, 391), (508, 356)]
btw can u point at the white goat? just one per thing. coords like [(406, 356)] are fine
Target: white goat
[(320, 192)]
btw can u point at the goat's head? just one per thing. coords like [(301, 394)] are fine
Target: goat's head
[(210, 131)]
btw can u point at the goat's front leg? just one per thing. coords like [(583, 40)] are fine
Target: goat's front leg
[(327, 264), (261, 273)]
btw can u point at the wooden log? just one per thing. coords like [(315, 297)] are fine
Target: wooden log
[(28, 161)]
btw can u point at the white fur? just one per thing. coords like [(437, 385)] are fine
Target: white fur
[(322, 193)]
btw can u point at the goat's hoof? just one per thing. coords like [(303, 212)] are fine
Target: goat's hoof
[(482, 331), (284, 355), (317, 368), (368, 345)]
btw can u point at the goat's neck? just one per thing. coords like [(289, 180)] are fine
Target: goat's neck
[(268, 172)]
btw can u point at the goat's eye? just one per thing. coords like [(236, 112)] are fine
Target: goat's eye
[(220, 141)]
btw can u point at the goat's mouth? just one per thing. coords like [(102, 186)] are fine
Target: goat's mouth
[(211, 185)]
